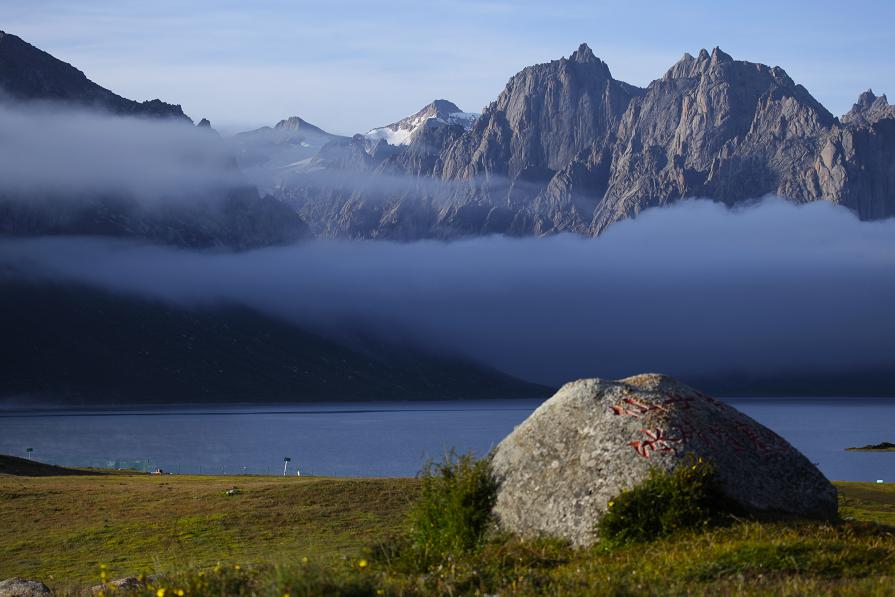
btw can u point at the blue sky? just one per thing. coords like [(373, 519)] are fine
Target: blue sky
[(349, 65)]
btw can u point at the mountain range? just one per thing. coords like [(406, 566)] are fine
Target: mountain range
[(568, 148), (564, 148), (220, 214)]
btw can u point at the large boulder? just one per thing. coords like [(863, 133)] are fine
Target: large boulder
[(594, 438), (19, 587)]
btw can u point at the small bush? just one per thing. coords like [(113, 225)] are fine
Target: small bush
[(453, 511), (685, 498)]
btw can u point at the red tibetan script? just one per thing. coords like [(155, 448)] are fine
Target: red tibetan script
[(740, 438), (656, 441)]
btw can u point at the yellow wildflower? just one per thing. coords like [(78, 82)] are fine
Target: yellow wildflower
[(362, 564), (160, 592), (611, 504), (179, 592)]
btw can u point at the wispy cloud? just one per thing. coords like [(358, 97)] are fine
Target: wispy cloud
[(56, 150)]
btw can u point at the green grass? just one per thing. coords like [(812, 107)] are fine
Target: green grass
[(453, 511), (874, 502), (666, 502), (60, 529)]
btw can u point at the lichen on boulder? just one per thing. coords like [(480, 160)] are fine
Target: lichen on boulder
[(594, 438)]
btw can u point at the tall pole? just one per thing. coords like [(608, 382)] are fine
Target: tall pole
[(285, 464)]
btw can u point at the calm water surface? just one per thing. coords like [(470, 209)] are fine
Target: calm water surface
[(389, 438)]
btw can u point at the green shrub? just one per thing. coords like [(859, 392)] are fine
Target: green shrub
[(685, 498), (453, 511)]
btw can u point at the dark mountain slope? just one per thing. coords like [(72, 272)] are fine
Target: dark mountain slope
[(30, 74), (235, 218), (222, 211), (75, 345)]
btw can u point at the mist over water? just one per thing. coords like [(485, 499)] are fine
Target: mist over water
[(691, 290)]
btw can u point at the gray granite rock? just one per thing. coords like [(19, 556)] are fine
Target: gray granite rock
[(567, 148), (594, 438), (19, 587)]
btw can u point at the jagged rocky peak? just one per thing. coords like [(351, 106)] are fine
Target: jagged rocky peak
[(702, 121), (739, 84), (584, 55), (438, 113), (689, 66), (582, 61), (869, 108), (581, 70), (867, 99), (566, 147), (546, 115)]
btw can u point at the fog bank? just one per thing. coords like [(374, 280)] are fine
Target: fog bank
[(691, 290), (55, 149)]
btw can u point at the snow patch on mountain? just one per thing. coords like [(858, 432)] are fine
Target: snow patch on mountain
[(440, 111)]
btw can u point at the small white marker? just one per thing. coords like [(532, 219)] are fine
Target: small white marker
[(879, 480)]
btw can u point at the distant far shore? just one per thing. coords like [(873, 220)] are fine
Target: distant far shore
[(882, 447)]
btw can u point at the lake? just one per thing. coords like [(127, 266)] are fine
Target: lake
[(387, 438)]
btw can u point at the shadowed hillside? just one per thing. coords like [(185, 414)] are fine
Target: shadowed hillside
[(78, 346)]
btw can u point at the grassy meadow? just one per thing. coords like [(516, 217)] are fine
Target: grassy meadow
[(308, 536)]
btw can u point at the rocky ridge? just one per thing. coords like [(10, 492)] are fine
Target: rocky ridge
[(566, 147), (231, 214), (30, 74)]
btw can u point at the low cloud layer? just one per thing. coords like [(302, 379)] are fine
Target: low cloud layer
[(51, 149), (693, 290)]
